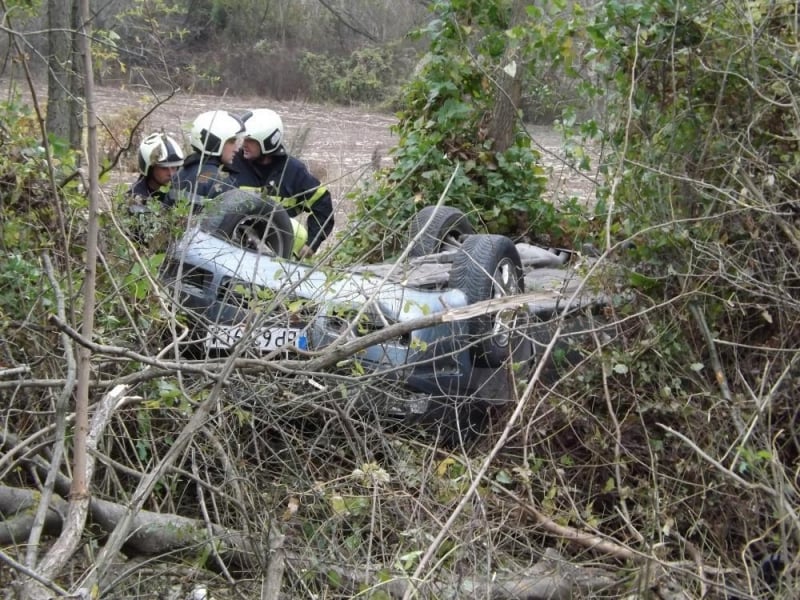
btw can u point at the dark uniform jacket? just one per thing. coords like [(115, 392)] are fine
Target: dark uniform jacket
[(140, 197), (290, 182), (204, 178), (141, 193)]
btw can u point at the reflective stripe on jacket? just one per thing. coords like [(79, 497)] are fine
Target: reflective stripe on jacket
[(290, 183)]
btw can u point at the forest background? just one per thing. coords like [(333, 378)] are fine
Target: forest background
[(663, 465)]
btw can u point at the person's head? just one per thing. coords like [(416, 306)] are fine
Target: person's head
[(159, 158), (216, 133), (263, 134)]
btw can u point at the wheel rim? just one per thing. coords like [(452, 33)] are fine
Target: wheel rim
[(504, 284), (251, 232), (452, 240)]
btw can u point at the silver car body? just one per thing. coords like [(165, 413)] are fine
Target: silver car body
[(237, 295)]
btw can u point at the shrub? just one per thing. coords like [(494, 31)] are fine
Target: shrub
[(367, 76), (443, 147)]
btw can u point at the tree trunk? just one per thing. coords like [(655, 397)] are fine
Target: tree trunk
[(503, 122), (75, 519), (64, 89)]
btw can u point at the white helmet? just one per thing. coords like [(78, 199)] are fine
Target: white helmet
[(159, 150), (266, 127), (212, 129)]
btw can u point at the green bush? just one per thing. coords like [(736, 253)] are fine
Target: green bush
[(443, 147), (702, 177), (28, 188), (365, 76)]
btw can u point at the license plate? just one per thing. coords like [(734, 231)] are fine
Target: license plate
[(222, 337)]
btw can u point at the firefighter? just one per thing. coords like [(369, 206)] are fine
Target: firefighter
[(160, 156), (215, 138), (262, 163)]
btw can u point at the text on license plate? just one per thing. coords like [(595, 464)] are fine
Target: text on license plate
[(263, 338)]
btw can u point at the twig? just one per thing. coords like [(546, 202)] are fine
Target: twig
[(21, 370), (587, 540), (169, 366), (7, 438), (201, 499), (624, 151), (18, 566), (113, 163), (622, 506), (60, 423), (722, 468), (785, 503), (699, 563), (716, 364), (271, 584)]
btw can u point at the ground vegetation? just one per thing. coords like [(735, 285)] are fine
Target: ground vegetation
[(662, 461)]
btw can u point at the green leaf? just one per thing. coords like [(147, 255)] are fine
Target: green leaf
[(334, 578), (408, 560), (338, 505), (504, 477)]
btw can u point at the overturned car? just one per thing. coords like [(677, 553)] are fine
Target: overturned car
[(233, 276)]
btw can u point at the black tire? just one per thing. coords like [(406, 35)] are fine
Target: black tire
[(444, 229), (249, 221), (489, 266)]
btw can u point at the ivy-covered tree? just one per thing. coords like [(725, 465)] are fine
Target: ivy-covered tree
[(460, 131)]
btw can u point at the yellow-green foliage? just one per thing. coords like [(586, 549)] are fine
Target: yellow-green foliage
[(29, 191)]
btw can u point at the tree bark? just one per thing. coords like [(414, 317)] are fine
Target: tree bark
[(152, 534), (64, 93), (503, 122)]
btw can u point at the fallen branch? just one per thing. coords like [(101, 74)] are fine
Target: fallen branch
[(152, 533), (75, 512), (155, 534), (61, 406), (565, 532)]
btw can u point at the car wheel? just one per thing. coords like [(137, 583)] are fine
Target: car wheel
[(441, 227), (249, 221), (489, 266)]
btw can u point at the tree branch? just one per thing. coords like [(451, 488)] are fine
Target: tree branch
[(156, 534), (347, 24)]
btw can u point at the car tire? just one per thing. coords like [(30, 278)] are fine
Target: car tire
[(489, 266), (249, 221), (442, 227)]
